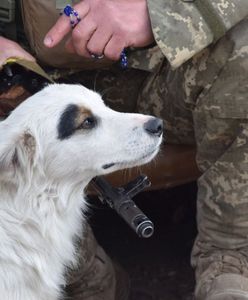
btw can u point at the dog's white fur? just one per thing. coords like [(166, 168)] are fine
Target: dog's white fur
[(42, 179)]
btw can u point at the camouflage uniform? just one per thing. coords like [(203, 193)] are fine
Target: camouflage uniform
[(200, 90), (209, 93)]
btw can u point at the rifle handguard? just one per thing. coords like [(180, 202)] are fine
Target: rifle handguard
[(120, 199)]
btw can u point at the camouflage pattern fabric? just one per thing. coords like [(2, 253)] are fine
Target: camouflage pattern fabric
[(221, 130), (183, 28), (94, 276), (209, 93), (119, 88)]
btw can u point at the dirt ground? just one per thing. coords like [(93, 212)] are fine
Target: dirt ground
[(159, 267)]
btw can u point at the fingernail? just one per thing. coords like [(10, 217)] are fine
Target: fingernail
[(48, 41)]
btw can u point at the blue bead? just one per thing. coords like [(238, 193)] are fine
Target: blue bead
[(68, 10), (123, 60)]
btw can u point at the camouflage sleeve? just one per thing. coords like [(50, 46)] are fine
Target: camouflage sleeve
[(183, 28), (227, 96)]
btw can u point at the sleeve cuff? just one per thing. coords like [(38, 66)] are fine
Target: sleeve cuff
[(179, 29)]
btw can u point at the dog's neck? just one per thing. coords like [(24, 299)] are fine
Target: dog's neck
[(32, 192)]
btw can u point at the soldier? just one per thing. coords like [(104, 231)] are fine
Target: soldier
[(198, 82)]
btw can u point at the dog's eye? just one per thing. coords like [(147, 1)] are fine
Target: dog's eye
[(88, 123)]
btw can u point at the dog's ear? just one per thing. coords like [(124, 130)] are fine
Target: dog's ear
[(17, 151)]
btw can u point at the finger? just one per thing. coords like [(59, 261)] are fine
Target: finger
[(82, 34), (114, 48), (63, 26), (98, 41)]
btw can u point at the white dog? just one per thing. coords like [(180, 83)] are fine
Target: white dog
[(51, 146)]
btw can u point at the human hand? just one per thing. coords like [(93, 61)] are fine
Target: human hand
[(12, 49), (106, 27)]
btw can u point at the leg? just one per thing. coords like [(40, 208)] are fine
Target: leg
[(162, 95), (220, 253), (221, 250), (96, 277)]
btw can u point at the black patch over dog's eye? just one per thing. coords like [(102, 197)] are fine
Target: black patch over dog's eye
[(74, 118), (88, 123), (67, 126)]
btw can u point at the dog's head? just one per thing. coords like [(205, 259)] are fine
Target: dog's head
[(67, 132)]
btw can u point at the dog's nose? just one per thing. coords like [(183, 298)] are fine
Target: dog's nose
[(154, 126)]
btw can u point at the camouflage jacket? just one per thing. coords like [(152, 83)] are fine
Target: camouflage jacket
[(183, 28)]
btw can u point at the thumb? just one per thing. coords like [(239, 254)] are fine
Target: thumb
[(10, 49)]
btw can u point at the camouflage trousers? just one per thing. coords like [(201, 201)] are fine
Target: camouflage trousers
[(202, 103), (94, 278)]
